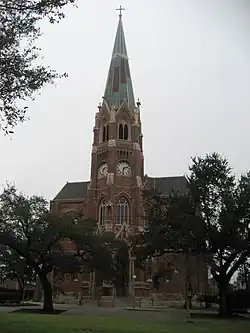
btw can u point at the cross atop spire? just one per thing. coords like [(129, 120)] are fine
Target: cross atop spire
[(120, 9)]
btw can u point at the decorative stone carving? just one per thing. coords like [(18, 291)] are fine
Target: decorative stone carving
[(130, 230), (122, 193), (97, 117), (123, 231), (136, 117), (112, 143), (112, 114), (109, 204), (99, 228), (106, 106), (94, 149), (110, 179), (140, 228), (136, 146), (107, 227), (138, 181)]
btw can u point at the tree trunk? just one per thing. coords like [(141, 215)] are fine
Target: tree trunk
[(38, 292), (47, 293), (21, 286), (223, 310), (246, 277)]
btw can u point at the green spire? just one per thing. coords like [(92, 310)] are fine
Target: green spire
[(119, 85)]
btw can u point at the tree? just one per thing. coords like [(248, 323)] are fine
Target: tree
[(106, 255), (20, 77), (120, 261), (172, 225), (40, 238), (212, 219), (224, 205), (243, 278), (14, 267)]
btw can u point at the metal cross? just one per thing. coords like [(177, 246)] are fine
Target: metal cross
[(120, 9)]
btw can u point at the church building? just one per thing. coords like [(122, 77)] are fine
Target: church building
[(113, 195)]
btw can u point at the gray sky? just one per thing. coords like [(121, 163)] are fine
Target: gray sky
[(190, 65)]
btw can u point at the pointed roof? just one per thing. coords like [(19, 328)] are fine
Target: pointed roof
[(119, 84), (120, 44)]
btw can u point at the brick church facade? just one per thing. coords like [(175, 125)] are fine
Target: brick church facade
[(113, 195)]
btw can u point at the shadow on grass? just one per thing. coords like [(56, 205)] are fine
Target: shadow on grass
[(39, 311), (203, 315), (16, 305)]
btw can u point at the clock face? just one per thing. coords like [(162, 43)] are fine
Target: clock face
[(123, 169), (102, 170)]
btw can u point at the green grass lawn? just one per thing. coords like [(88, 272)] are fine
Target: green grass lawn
[(172, 322)]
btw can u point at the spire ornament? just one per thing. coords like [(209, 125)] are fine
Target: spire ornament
[(120, 10)]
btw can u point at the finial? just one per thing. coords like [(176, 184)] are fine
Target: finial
[(99, 106), (138, 103), (120, 10)]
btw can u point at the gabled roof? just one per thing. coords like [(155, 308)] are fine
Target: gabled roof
[(166, 185), (163, 185), (73, 191), (119, 84)]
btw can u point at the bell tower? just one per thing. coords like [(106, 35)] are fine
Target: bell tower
[(117, 166)]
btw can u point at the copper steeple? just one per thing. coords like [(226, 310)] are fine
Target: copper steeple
[(119, 84)]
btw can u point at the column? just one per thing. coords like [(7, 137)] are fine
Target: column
[(92, 284), (130, 275), (133, 273)]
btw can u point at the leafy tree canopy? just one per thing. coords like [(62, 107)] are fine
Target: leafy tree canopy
[(14, 267), (213, 218), (20, 77), (224, 205), (171, 226), (46, 241)]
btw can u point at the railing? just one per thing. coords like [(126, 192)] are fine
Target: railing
[(109, 226)]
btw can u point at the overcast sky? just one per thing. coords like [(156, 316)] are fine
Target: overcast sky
[(190, 66)]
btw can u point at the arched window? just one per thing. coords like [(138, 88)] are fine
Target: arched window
[(107, 132), (122, 211), (103, 133), (125, 132), (120, 131), (102, 213)]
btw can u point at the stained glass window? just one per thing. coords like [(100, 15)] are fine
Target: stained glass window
[(122, 211), (102, 212)]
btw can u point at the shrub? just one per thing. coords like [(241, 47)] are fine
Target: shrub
[(10, 295)]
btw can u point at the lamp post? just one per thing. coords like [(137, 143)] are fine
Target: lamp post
[(132, 275)]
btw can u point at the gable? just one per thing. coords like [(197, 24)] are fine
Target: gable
[(73, 191), (104, 113), (166, 185), (124, 113)]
